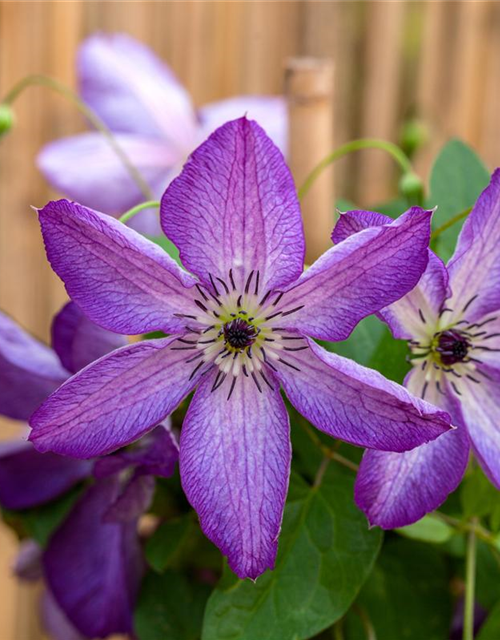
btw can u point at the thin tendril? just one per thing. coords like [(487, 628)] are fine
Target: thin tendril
[(150, 204), (450, 223), (356, 145), (61, 89)]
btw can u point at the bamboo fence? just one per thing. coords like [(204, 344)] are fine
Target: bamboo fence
[(379, 64)]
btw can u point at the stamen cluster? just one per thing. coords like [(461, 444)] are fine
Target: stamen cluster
[(238, 332)]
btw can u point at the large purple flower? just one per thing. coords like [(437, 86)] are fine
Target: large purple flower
[(138, 97), (452, 322), (240, 327)]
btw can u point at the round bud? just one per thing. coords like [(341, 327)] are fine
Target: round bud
[(6, 119), (412, 188), (414, 135)]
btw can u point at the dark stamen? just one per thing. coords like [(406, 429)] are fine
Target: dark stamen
[(288, 313), (198, 355), (201, 305), (207, 341), (492, 335), (273, 315), (278, 298), (249, 280), (438, 387), (265, 298), (455, 388), (266, 381), (195, 370), (292, 366), (184, 315), (218, 382), (470, 302), (213, 284), (202, 293), (256, 290), (444, 311), (187, 341), (245, 372), (232, 279), (256, 382), (426, 384), (233, 383), (295, 348), (421, 316), (183, 348), (223, 284), (472, 378), (208, 329)]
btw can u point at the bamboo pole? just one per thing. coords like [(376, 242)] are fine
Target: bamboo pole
[(309, 90)]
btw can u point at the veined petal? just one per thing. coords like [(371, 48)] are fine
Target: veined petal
[(114, 401), (93, 568), (361, 275), (269, 111), (475, 266), (235, 464), (29, 371), (29, 478), (88, 170), (397, 489), (132, 90), (408, 316), (234, 207), (122, 281), (356, 404), (78, 341), (480, 402)]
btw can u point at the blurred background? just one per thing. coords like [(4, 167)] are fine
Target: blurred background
[(436, 63)]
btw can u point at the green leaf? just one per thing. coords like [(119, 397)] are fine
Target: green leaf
[(428, 529), (362, 343), (490, 630), (392, 208), (167, 541), (457, 178), (389, 356), (479, 497), (326, 552), (170, 607), (168, 246), (42, 521), (407, 596)]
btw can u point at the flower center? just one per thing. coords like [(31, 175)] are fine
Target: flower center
[(238, 332), (452, 346)]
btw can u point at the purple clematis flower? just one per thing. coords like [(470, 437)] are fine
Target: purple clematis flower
[(240, 328), (138, 97), (93, 562), (452, 322)]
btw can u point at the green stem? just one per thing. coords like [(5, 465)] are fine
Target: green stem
[(150, 204), (470, 583), (65, 91), (366, 622), (356, 145), (450, 223), (330, 454)]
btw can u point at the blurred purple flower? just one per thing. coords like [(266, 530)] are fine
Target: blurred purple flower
[(240, 326), (138, 97), (93, 562), (452, 322)]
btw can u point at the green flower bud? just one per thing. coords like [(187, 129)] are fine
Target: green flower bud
[(414, 135), (6, 119), (412, 188)]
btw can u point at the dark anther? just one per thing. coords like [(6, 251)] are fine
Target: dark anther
[(444, 310), (233, 383), (472, 378), (195, 370), (470, 302), (218, 381), (249, 280), (422, 317), (202, 293), (295, 348), (438, 387), (183, 315), (183, 348), (266, 381), (492, 335), (455, 388), (239, 334), (223, 284), (232, 279), (206, 341), (278, 298), (209, 328), (198, 355), (426, 384), (453, 346), (187, 341), (213, 284), (256, 290), (269, 364), (238, 302), (201, 305), (245, 372), (256, 382), (265, 298), (424, 364), (292, 366), (292, 337), (288, 313), (273, 315)]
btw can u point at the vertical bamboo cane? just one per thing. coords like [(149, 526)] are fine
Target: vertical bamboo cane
[(309, 89)]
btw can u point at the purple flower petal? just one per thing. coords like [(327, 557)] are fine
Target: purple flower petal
[(480, 401), (120, 280), (134, 91), (269, 111), (356, 404), (134, 500), (114, 401), (87, 169), (359, 276), (156, 453), (404, 316), (235, 464), (397, 489), (78, 341), (475, 266), (93, 568), (29, 478), (29, 371), (234, 207), (54, 621)]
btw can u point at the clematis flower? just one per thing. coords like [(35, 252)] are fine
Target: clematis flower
[(93, 562), (242, 323), (452, 323), (154, 121)]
